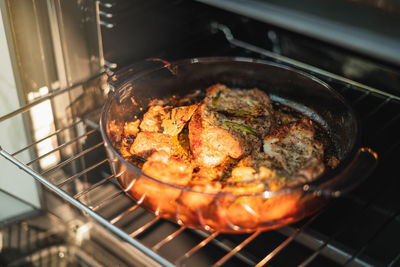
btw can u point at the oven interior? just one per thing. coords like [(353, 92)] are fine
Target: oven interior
[(85, 219)]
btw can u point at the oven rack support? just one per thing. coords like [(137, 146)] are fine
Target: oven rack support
[(292, 233), (329, 76)]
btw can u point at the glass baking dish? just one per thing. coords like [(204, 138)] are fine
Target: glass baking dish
[(134, 88)]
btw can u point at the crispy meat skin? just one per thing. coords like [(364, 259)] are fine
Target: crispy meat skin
[(217, 131), (249, 108), (294, 147), (241, 103), (291, 155), (210, 145)]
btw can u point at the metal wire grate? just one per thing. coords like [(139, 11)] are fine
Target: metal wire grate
[(93, 186)]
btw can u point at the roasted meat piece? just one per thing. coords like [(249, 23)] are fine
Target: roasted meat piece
[(291, 155), (229, 123), (131, 128), (160, 197), (176, 119), (168, 169), (159, 130), (210, 145), (294, 148), (239, 103), (249, 112), (167, 120), (153, 118), (147, 142)]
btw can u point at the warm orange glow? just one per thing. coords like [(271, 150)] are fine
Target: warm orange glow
[(43, 125)]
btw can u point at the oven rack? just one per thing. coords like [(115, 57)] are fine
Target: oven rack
[(29, 244), (102, 208)]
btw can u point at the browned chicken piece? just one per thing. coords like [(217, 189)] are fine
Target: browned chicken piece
[(176, 119), (242, 175), (246, 208), (167, 169), (229, 123), (249, 112), (147, 142), (131, 128), (238, 128), (159, 197), (245, 174), (239, 103), (153, 118), (210, 145), (294, 148), (166, 119), (291, 155)]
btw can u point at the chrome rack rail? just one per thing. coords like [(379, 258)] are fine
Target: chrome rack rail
[(298, 64), (96, 206)]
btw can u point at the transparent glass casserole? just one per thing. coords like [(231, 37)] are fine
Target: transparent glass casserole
[(133, 89)]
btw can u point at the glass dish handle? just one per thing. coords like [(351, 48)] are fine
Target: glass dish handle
[(357, 171)]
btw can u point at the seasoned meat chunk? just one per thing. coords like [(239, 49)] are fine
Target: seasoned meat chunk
[(131, 128), (210, 145), (243, 174), (153, 118), (229, 123), (166, 119), (239, 103), (249, 112), (146, 143), (177, 118), (291, 155), (294, 148), (161, 198), (167, 169)]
